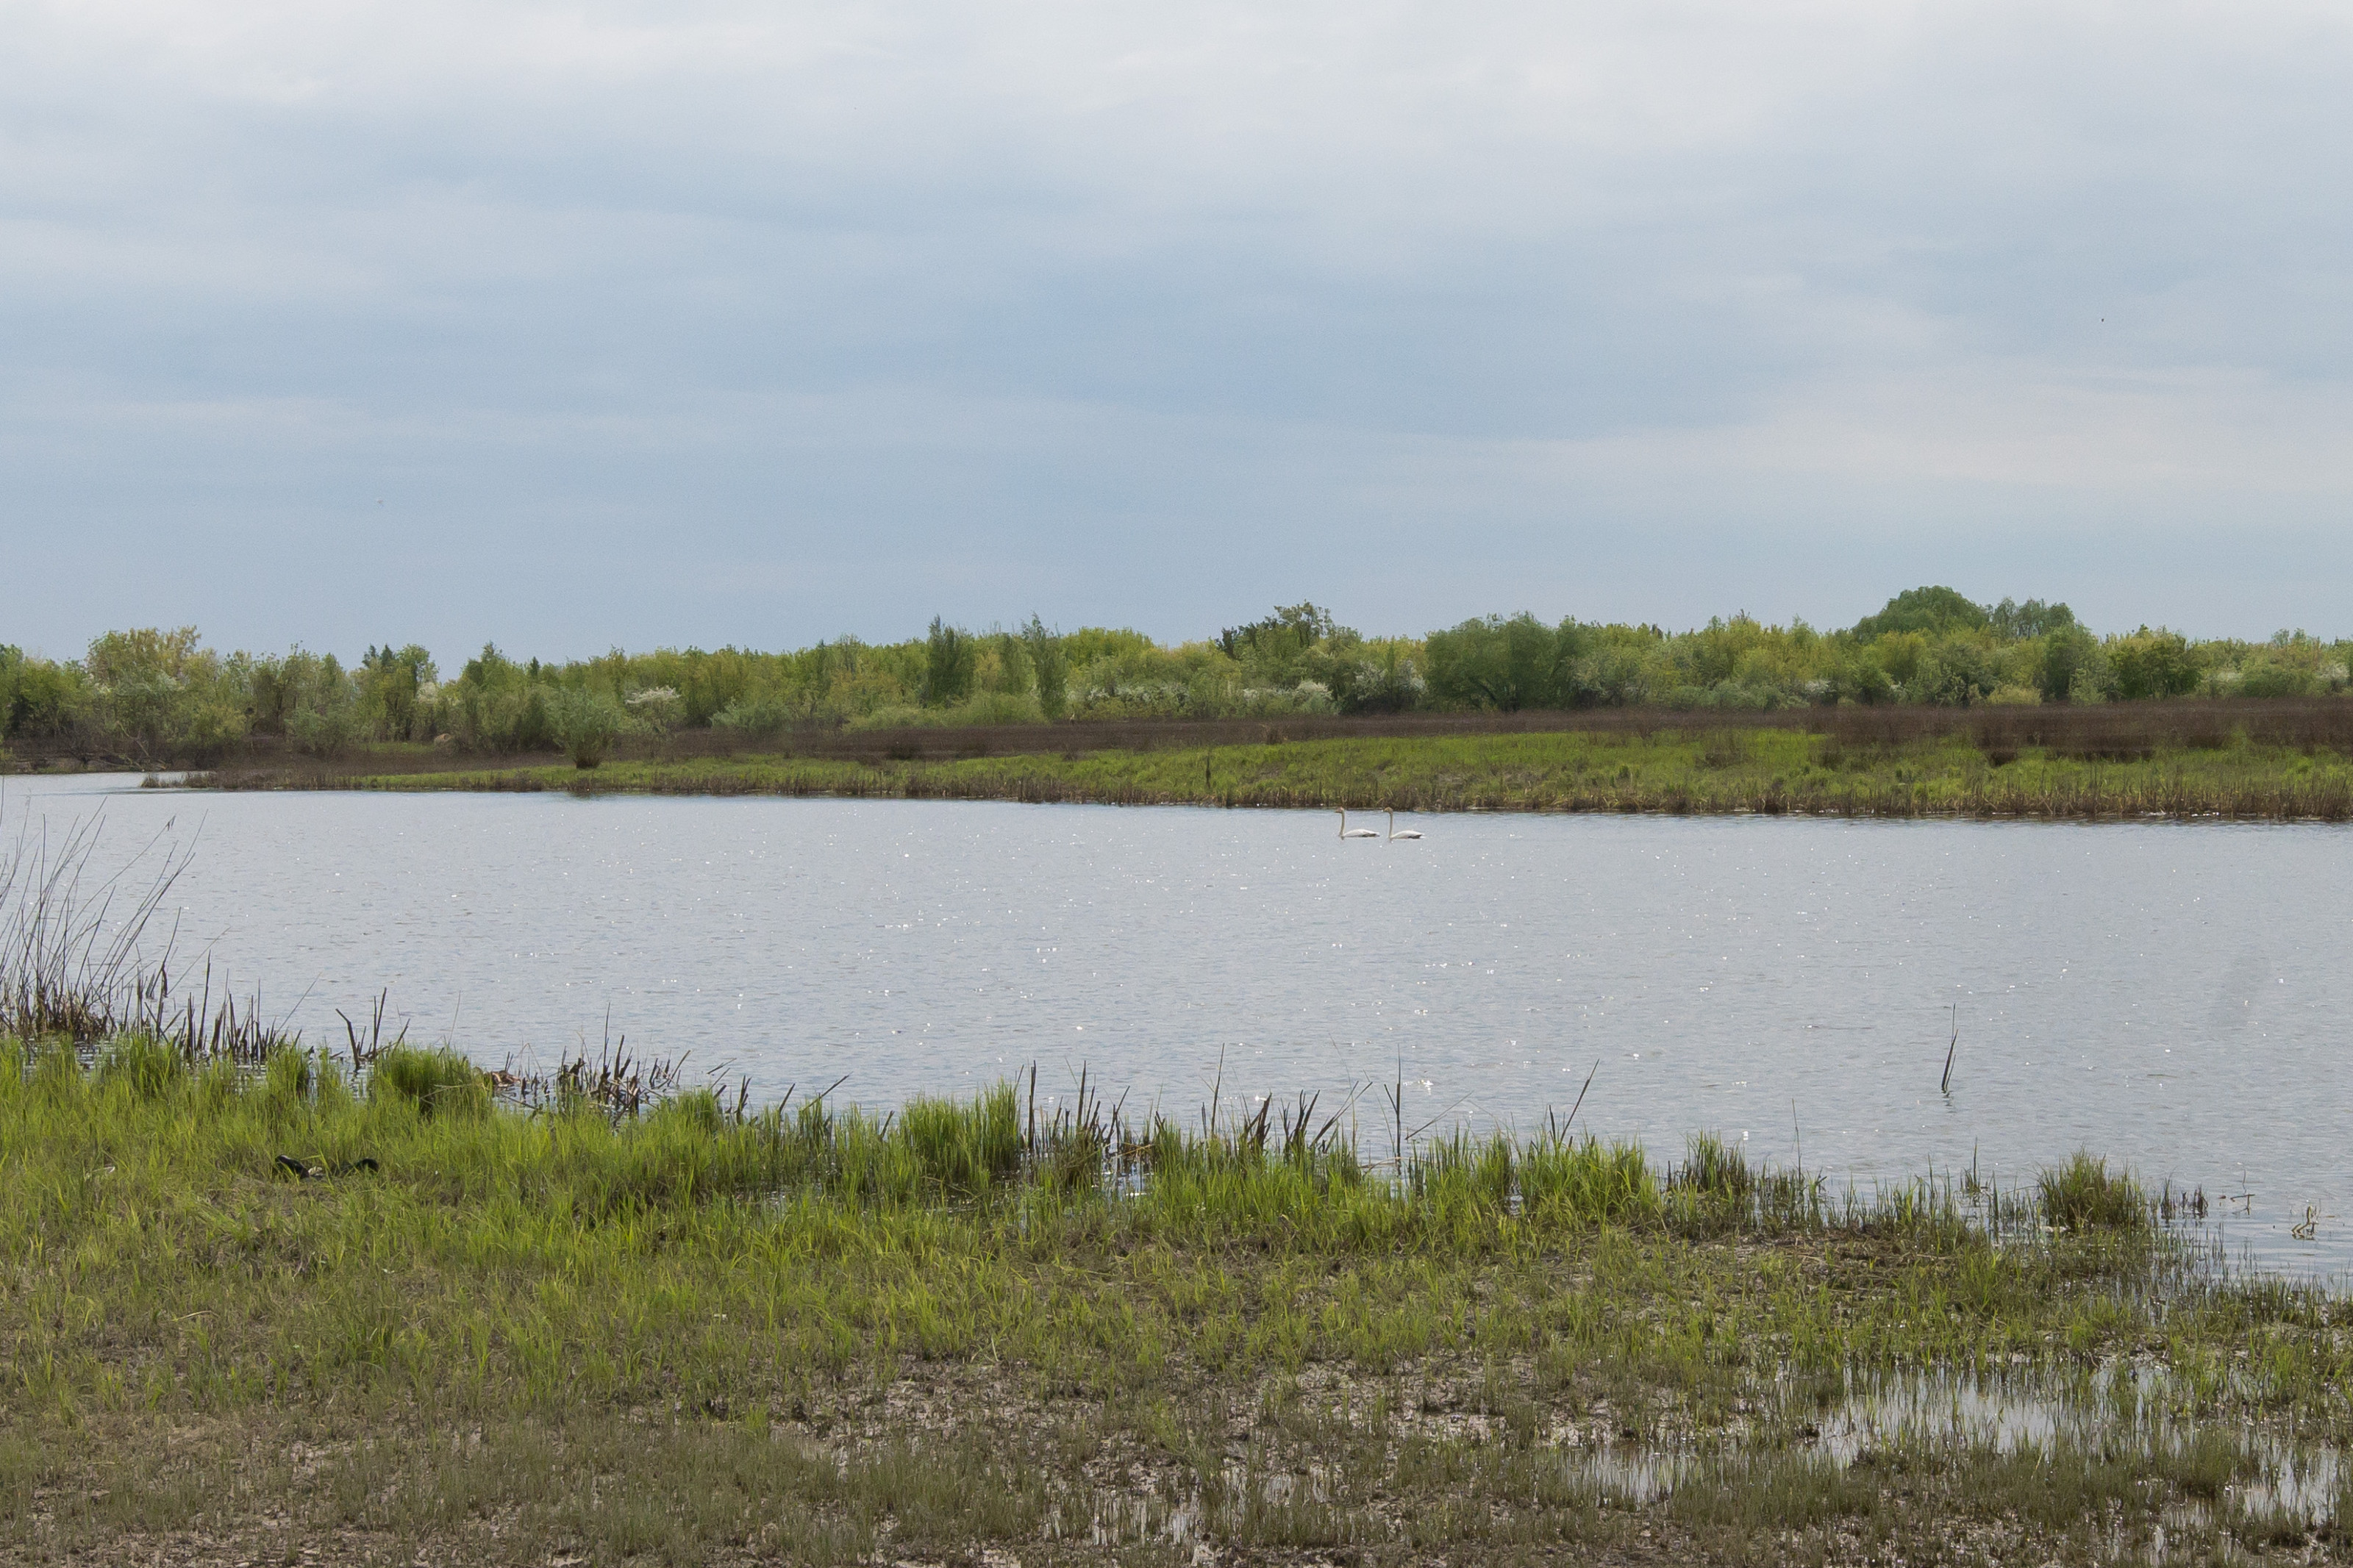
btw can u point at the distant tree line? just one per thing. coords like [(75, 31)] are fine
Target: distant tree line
[(163, 696)]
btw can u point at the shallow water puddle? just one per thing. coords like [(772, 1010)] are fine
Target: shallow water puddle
[(2120, 1412), (2238, 1477)]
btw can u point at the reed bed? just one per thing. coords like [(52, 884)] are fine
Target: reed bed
[(78, 958), (562, 1144)]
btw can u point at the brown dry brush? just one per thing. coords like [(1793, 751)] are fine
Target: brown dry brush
[(2114, 731), (2118, 730), (2106, 732), (622, 1083)]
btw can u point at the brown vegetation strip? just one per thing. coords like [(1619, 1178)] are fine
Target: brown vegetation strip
[(2111, 731)]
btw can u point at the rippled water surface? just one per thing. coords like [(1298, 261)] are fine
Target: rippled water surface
[(2171, 996)]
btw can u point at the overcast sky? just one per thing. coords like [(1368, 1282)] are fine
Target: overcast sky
[(703, 322)]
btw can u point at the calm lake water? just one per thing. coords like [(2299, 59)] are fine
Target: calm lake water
[(2173, 996)]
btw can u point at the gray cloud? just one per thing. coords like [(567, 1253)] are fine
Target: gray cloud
[(713, 323)]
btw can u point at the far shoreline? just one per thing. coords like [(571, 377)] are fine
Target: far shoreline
[(2181, 763)]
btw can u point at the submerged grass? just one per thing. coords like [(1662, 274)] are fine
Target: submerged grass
[(453, 1327), (2230, 774)]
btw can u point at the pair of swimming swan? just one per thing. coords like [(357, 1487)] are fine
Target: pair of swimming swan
[(1348, 832)]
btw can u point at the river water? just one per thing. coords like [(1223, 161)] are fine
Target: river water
[(2170, 995)]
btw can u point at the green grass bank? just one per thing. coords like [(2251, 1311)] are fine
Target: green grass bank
[(278, 1314), (1669, 770)]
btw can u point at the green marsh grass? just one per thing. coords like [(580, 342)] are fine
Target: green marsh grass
[(2084, 1195), (434, 1082), (703, 1331)]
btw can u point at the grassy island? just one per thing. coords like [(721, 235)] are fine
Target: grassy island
[(2271, 762), (278, 1311)]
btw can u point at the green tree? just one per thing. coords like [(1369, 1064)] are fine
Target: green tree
[(12, 664), (2069, 654), (2031, 619), (1275, 651), (2148, 663), (1954, 672), (1376, 678), (499, 705), (1505, 665), (1930, 610), (394, 684), (164, 694), (305, 697), (1858, 674), (1048, 667), (1719, 651), (1616, 666), (951, 658), (585, 723), (325, 716), (1005, 672), (42, 701)]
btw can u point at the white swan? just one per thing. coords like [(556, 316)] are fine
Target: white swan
[(1409, 833), (1348, 832)]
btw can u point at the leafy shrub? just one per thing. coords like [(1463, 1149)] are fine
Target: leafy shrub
[(497, 705), (163, 693), (2152, 664), (40, 699), (761, 715), (1953, 673), (983, 708), (585, 723), (2069, 656), (2265, 678), (655, 707)]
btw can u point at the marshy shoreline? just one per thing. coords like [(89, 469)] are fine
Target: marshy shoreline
[(378, 1304)]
